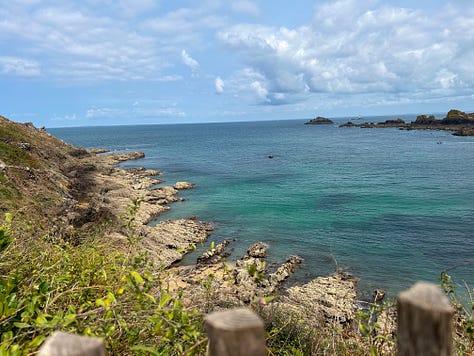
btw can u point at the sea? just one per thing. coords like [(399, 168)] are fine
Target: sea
[(389, 206)]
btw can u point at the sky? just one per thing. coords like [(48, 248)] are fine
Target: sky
[(114, 62)]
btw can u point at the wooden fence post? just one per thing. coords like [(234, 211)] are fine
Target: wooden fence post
[(62, 344), (237, 332), (424, 321)]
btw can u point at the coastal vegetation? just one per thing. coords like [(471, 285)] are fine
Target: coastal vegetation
[(76, 255)]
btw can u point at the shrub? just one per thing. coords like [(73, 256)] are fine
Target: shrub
[(88, 289)]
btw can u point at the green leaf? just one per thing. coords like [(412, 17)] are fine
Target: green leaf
[(69, 319), (147, 350), (149, 296), (21, 325), (6, 336), (137, 278), (37, 341), (41, 320)]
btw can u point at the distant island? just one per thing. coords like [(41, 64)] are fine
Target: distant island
[(461, 123), (319, 121)]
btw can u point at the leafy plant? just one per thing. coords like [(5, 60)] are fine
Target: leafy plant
[(89, 289), (463, 303)]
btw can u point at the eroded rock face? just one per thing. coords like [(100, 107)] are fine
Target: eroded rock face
[(329, 298), (456, 117)]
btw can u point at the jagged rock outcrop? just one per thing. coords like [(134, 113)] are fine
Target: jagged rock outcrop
[(457, 117), (329, 298), (242, 282), (425, 120), (459, 122)]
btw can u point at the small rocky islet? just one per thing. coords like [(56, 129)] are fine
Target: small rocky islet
[(459, 122), (319, 121)]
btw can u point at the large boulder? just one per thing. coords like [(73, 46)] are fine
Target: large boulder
[(457, 117), (425, 120)]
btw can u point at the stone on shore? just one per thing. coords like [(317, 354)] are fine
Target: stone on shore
[(183, 185), (329, 298)]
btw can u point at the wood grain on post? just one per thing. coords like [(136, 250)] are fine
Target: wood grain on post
[(62, 344), (237, 332), (424, 321)]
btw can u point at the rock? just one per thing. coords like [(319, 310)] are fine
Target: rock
[(348, 124), (378, 296), (257, 250), (395, 122), (285, 271), (329, 298), (319, 121), (425, 120), (457, 117), (215, 255), (464, 132), (183, 185), (121, 157)]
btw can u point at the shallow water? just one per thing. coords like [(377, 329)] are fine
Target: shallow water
[(390, 206)]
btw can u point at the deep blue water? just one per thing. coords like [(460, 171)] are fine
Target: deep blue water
[(391, 206)]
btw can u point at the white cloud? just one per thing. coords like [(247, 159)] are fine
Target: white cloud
[(189, 61), (95, 113), (219, 85), (71, 117), (154, 110), (356, 49), (83, 45), (19, 67)]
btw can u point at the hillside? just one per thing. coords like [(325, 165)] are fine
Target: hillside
[(68, 192)]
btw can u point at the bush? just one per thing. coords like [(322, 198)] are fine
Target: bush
[(92, 290)]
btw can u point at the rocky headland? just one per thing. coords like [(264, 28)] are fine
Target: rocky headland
[(459, 122), (68, 192)]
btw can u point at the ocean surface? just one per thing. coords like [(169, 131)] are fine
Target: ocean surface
[(389, 206)]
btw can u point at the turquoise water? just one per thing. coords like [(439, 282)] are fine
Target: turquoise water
[(390, 206)]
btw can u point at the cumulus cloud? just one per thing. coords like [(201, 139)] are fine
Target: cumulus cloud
[(19, 67), (189, 61), (83, 45), (352, 49), (219, 85)]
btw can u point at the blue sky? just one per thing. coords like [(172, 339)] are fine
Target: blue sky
[(106, 62)]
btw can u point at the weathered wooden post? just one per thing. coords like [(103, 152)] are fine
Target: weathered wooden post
[(237, 332), (424, 321), (62, 344)]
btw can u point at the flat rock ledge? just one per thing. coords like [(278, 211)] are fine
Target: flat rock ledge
[(330, 298), (214, 284), (106, 191)]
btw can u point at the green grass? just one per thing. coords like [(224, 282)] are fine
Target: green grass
[(16, 156), (8, 191)]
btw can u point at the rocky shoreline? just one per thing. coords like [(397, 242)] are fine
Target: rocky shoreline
[(213, 282), (74, 190), (460, 123)]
